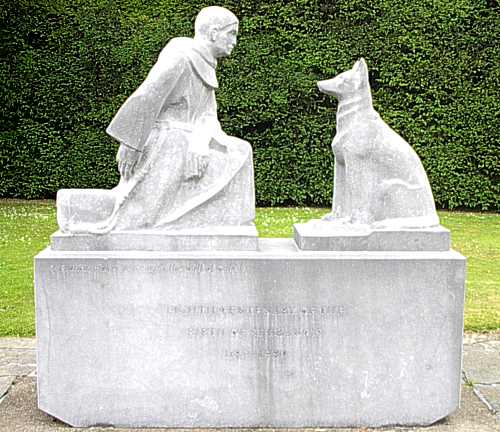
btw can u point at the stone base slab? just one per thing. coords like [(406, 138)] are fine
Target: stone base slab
[(227, 238), (275, 338), (318, 235)]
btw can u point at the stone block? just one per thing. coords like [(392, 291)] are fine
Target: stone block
[(243, 237), (318, 235), (270, 338)]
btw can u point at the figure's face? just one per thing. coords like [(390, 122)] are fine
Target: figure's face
[(224, 40)]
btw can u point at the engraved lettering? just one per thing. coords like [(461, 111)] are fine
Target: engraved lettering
[(237, 354)]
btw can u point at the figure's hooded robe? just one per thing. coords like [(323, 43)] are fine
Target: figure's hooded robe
[(172, 119)]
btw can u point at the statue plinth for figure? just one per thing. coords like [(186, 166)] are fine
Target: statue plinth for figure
[(180, 173), (219, 238)]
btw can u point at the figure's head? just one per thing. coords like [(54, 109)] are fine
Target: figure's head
[(218, 28), (348, 82)]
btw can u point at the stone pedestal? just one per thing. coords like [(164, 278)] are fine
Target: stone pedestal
[(272, 338), (225, 238), (328, 236)]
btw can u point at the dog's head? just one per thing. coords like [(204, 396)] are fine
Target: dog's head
[(348, 82)]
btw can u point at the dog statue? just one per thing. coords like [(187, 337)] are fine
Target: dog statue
[(379, 179)]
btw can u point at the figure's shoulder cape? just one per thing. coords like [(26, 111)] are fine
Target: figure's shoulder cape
[(135, 119), (189, 49)]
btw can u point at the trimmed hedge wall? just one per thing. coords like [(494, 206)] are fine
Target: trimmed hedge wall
[(67, 66)]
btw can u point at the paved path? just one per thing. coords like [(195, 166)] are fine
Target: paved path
[(481, 368), (479, 411), (17, 359)]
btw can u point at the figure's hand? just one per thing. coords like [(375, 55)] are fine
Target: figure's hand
[(195, 166), (127, 159)]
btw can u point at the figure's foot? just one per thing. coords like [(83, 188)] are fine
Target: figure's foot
[(344, 223), (330, 217)]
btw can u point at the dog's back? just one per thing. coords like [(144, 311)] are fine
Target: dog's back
[(379, 178)]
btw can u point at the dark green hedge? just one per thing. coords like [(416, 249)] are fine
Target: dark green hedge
[(435, 71)]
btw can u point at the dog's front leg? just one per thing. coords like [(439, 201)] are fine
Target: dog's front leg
[(360, 184)]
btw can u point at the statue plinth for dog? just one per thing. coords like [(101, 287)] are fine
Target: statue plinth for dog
[(382, 199)]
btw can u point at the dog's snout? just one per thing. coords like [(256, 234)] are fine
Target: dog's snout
[(326, 87), (321, 86)]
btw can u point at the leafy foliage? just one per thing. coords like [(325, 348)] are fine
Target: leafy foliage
[(67, 66)]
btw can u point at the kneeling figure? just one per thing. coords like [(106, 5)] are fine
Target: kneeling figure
[(178, 168)]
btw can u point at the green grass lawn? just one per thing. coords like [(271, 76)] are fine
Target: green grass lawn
[(25, 228)]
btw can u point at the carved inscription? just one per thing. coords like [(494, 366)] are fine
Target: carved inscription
[(261, 332), (235, 332), (150, 268), (274, 309), (239, 355), (257, 332)]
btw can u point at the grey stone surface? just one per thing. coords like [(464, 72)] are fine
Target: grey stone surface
[(243, 237), (275, 338), (379, 179), (178, 168), (323, 235), (482, 362), (19, 413)]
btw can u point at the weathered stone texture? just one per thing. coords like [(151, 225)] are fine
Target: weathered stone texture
[(278, 338)]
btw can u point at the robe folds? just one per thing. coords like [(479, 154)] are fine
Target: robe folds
[(190, 173)]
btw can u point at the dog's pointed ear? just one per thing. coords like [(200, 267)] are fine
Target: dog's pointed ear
[(361, 68)]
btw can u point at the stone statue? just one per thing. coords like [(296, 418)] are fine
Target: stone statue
[(379, 179), (178, 168)]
